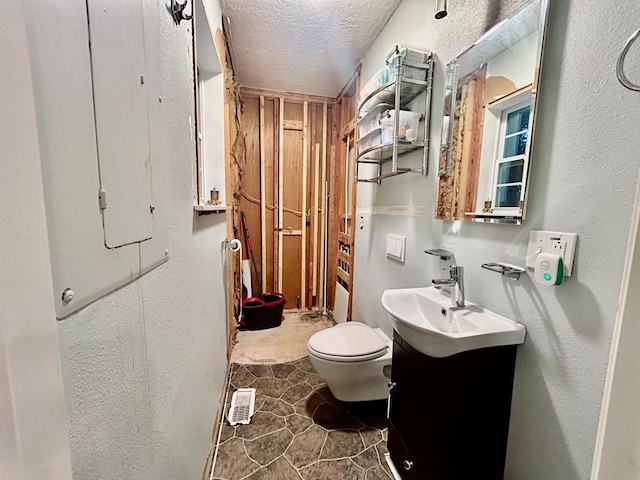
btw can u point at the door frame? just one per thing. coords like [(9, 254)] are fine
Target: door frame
[(619, 384)]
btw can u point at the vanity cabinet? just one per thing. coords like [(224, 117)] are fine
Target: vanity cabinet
[(449, 417)]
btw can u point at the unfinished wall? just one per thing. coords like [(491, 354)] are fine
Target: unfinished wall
[(293, 182), (583, 181), (143, 367)]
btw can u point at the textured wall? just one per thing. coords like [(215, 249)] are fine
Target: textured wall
[(143, 367), (585, 170)]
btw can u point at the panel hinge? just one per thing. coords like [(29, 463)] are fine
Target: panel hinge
[(102, 199)]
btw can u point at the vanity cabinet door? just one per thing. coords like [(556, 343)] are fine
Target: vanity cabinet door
[(449, 416), (420, 416)]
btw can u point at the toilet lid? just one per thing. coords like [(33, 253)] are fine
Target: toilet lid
[(348, 341)]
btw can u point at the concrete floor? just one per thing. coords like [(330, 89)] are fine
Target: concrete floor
[(300, 431), (281, 344)]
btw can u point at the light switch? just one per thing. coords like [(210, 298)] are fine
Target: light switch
[(391, 246), (396, 247)]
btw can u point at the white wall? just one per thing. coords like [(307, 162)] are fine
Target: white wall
[(517, 63), (583, 181), (618, 447), (33, 437), (143, 367)]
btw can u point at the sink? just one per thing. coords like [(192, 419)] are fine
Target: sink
[(425, 318)]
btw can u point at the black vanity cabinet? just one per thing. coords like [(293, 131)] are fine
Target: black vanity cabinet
[(449, 417)]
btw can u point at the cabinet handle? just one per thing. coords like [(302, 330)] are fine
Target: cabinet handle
[(407, 465)]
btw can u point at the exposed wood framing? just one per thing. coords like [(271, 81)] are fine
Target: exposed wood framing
[(323, 197), (234, 158), (263, 197), (305, 166), (333, 221), (289, 96), (476, 142), (293, 125), (281, 191), (349, 128), (354, 194), (276, 191), (316, 184)]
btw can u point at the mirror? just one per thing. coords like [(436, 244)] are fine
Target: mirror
[(489, 113)]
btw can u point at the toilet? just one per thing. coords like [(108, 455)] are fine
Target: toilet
[(354, 360)]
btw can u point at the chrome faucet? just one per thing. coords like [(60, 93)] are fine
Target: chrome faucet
[(456, 282)]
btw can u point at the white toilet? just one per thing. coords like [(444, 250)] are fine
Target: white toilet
[(354, 359)]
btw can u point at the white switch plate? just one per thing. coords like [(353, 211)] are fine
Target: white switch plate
[(396, 246), (564, 244)]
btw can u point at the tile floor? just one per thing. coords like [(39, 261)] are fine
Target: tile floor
[(300, 431)]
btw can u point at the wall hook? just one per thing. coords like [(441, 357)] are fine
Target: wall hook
[(176, 9)]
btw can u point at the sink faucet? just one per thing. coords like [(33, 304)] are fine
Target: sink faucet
[(456, 282)]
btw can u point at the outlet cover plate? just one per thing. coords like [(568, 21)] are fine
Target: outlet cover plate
[(564, 244)]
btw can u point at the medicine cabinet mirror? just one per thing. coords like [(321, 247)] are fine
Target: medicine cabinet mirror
[(491, 95)]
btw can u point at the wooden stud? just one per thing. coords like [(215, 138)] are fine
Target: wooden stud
[(280, 189), (333, 225), (263, 200), (347, 162), (314, 275), (228, 99), (276, 192), (354, 201), (476, 153), (323, 198), (305, 165), (291, 97), (467, 145)]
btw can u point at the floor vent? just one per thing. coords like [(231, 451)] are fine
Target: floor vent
[(242, 405)]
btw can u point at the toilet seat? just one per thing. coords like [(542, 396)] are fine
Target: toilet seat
[(347, 342)]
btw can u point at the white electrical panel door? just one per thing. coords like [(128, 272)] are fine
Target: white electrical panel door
[(116, 31)]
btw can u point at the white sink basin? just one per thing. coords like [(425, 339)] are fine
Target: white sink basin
[(425, 318)]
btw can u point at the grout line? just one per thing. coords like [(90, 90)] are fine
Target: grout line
[(324, 444), (264, 434), (249, 457), (292, 465)]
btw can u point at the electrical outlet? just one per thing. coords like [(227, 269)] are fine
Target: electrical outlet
[(559, 243), (558, 248)]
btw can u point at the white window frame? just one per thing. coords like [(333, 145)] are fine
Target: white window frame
[(500, 159), (206, 68)]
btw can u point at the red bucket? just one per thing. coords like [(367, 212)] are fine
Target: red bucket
[(263, 311)]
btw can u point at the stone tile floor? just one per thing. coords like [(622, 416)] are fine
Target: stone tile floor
[(300, 431)]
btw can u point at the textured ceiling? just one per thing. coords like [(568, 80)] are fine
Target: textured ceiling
[(302, 46)]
